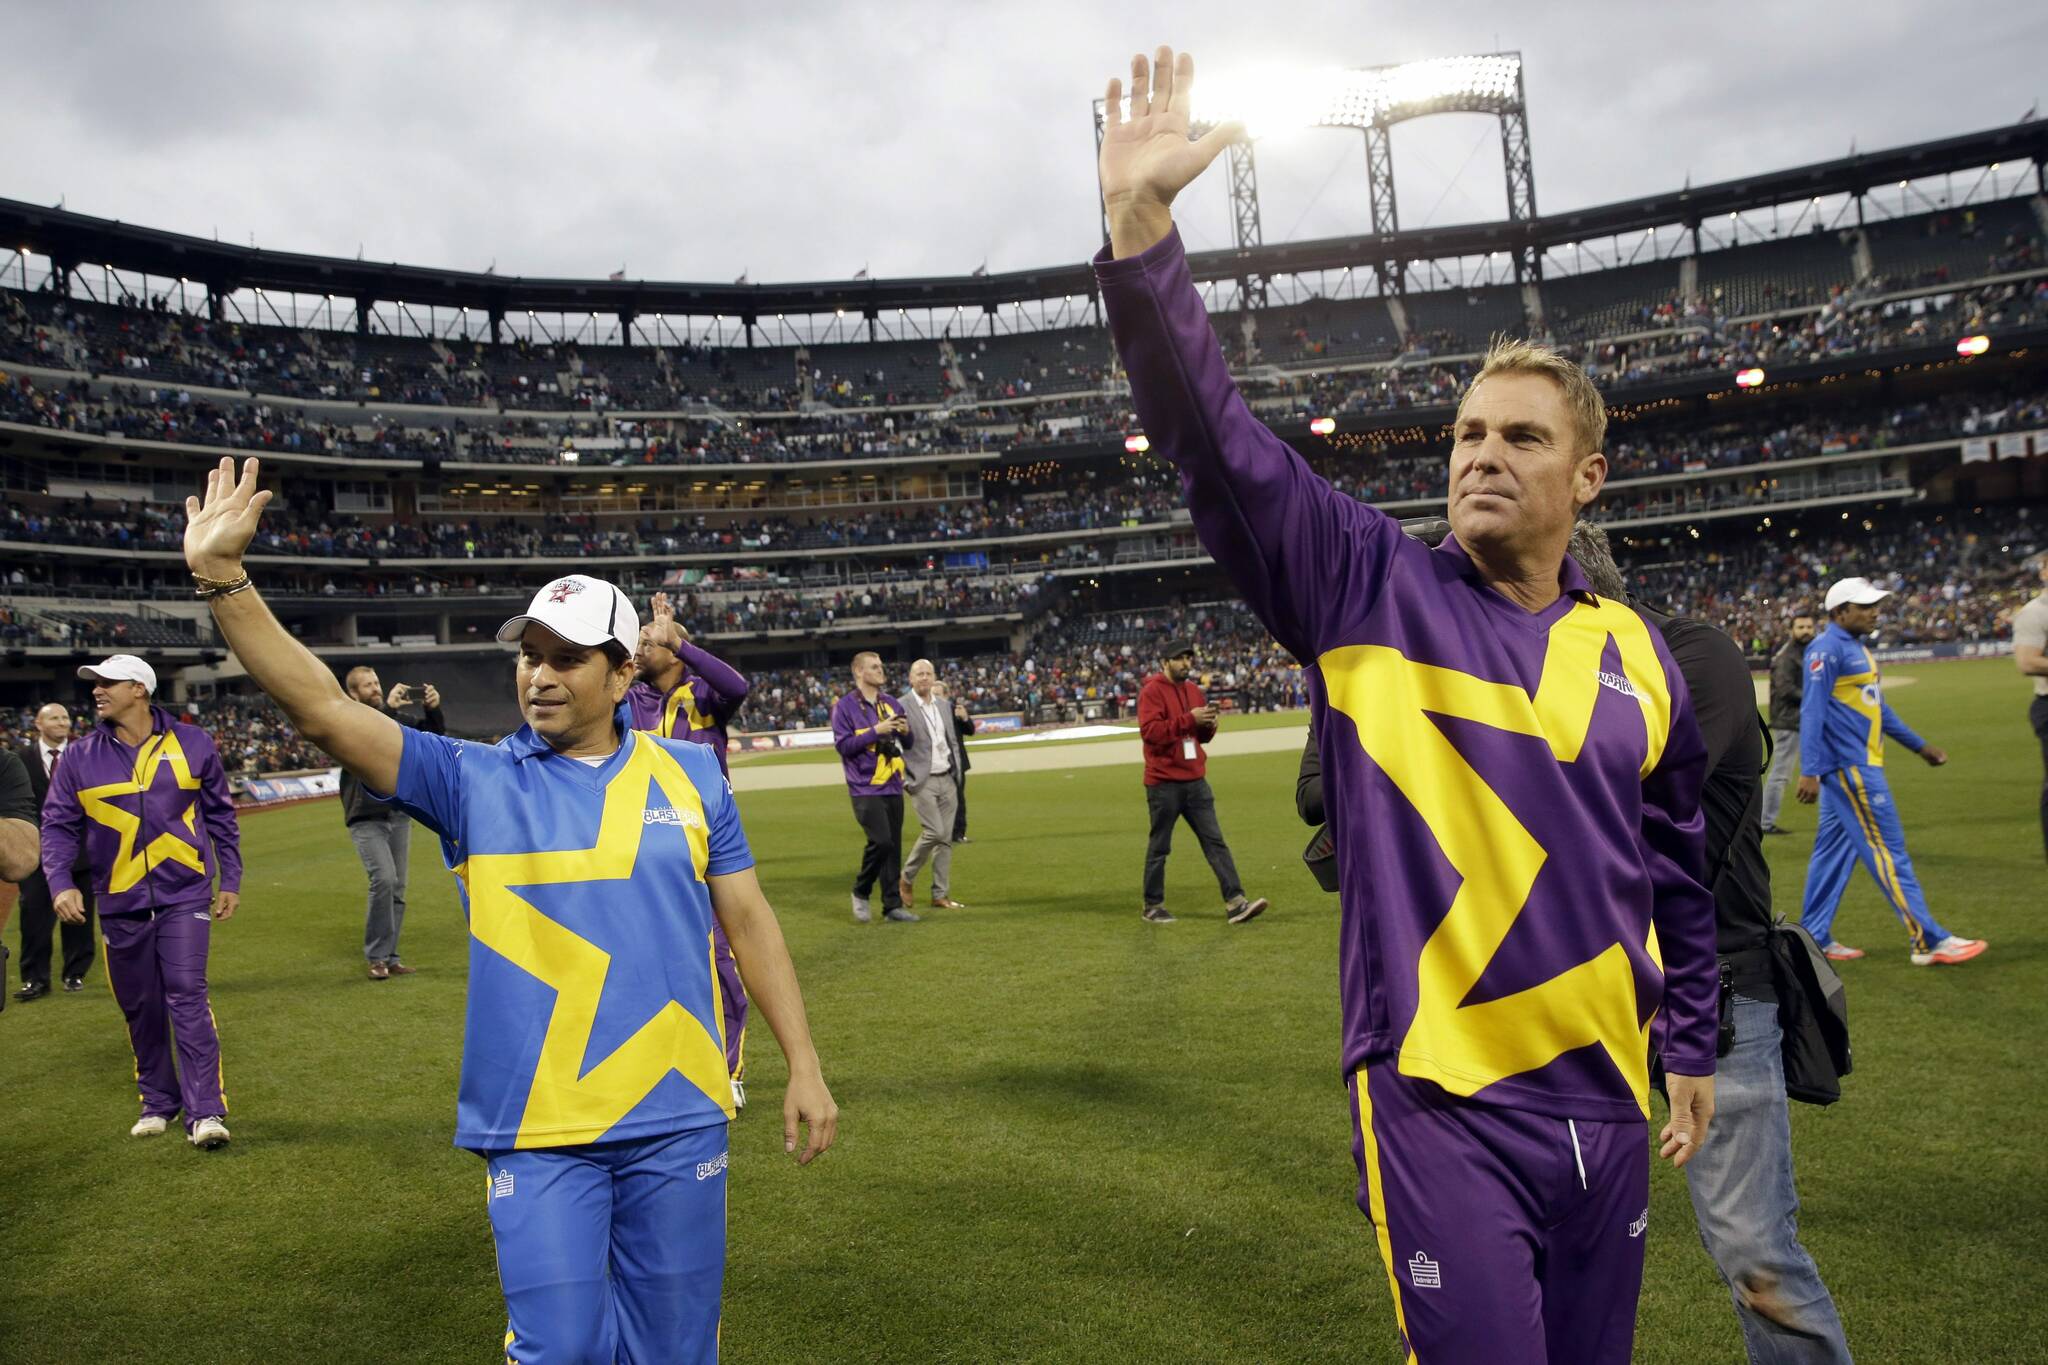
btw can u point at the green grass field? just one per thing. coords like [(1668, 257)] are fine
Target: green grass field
[(1066, 1135)]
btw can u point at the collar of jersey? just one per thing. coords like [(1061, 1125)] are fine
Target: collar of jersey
[(524, 744), (1571, 580)]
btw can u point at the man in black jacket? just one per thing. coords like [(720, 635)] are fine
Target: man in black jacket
[(1742, 1187), (1788, 685), (383, 833), (40, 757)]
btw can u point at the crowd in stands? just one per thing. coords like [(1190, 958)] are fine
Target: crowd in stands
[(251, 733), (1071, 666), (1056, 502), (974, 394), (1956, 574)]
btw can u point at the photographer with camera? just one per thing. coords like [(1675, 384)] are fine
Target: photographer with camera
[(382, 832), (871, 732)]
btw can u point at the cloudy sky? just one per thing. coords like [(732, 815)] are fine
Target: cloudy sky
[(688, 141)]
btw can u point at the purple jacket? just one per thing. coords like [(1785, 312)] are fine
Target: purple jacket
[(1514, 797), (868, 771), (698, 708), (155, 823)]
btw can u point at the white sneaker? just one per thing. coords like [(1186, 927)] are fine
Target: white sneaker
[(149, 1125), (739, 1093), (863, 912), (1950, 952), (209, 1134)]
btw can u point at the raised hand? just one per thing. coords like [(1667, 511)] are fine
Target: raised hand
[(1147, 158), (663, 618), (218, 530)]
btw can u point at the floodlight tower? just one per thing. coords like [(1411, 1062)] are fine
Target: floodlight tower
[(1372, 99)]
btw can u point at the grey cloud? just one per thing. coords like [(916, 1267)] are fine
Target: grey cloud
[(805, 141)]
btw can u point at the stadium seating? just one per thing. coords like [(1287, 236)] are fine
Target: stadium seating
[(1771, 277)]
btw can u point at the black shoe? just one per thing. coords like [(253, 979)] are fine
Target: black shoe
[(1773, 829), (74, 983), (901, 916), (962, 839), (34, 990)]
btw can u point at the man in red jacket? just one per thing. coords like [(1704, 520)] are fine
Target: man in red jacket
[(1173, 721)]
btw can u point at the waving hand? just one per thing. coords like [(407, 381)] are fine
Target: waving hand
[(218, 530), (1147, 158)]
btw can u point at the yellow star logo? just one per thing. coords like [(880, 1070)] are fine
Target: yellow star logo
[(566, 1103), (1391, 699), (97, 803)]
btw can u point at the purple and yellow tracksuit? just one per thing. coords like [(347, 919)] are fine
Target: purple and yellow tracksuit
[(157, 826), (1514, 798)]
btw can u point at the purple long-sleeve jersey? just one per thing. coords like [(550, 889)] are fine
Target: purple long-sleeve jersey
[(699, 707), (156, 822), (1514, 796), (868, 771)]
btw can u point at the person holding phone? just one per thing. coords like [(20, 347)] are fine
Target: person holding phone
[(381, 832)]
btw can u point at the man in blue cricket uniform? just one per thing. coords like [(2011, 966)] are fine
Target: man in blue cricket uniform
[(1843, 720), (592, 859)]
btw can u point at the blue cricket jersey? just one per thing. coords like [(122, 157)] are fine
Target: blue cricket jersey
[(1843, 717), (593, 1003)]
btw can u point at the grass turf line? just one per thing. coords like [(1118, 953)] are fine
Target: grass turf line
[(1067, 1135)]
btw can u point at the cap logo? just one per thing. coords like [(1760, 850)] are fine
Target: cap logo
[(564, 590)]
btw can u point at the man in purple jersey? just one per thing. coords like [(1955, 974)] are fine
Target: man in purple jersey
[(683, 692), (145, 796), (1512, 777), (871, 732)]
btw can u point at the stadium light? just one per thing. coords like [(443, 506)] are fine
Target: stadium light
[(1283, 101), (1749, 379), (1323, 426), (1137, 445), (1976, 345)]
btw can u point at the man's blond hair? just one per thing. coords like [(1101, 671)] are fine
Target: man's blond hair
[(864, 654), (1510, 355)]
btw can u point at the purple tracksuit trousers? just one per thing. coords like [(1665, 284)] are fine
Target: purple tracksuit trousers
[(732, 994), (156, 963), (1507, 1235)]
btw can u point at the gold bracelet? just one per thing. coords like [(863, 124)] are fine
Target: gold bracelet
[(219, 588), (204, 582)]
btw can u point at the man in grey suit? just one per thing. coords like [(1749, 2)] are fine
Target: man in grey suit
[(928, 766)]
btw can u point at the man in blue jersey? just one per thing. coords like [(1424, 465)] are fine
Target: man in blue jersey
[(1843, 720), (592, 859)]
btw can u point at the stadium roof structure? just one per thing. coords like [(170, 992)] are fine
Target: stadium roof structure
[(72, 240)]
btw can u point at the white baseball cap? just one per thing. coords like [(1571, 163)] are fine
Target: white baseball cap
[(582, 610), (1857, 591), (121, 668)]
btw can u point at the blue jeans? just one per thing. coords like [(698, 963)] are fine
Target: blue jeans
[(1742, 1196)]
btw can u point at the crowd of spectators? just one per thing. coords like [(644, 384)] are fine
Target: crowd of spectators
[(1955, 574), (251, 733), (1072, 666), (962, 405)]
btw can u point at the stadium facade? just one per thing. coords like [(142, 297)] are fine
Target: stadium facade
[(950, 466)]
